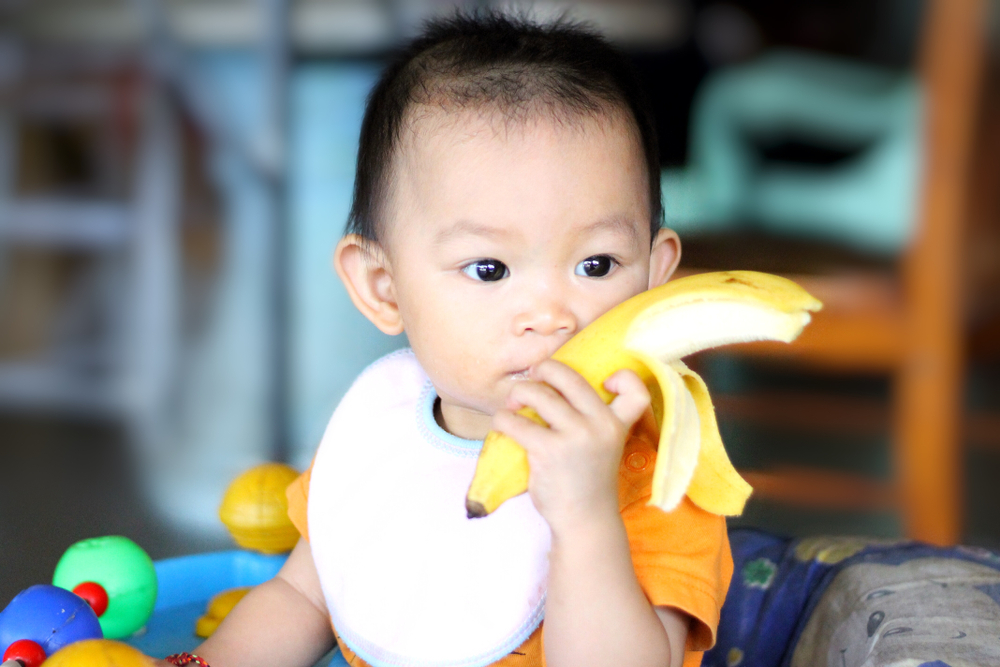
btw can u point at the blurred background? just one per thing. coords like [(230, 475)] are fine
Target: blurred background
[(175, 173)]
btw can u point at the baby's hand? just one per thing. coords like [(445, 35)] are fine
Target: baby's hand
[(574, 463)]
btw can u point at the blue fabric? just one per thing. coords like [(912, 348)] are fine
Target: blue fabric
[(779, 583)]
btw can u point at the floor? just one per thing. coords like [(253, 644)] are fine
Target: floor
[(64, 481)]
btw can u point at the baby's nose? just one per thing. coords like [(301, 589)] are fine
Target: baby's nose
[(546, 315)]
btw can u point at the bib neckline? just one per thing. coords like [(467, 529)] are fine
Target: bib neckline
[(436, 436)]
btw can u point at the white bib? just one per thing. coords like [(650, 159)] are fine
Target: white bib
[(408, 579)]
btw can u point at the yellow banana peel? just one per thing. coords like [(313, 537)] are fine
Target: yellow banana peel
[(649, 334)]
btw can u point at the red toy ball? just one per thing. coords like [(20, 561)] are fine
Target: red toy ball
[(95, 596), (25, 651)]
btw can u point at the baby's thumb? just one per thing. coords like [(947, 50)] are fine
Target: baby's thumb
[(631, 396)]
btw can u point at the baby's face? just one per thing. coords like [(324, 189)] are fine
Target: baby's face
[(503, 243)]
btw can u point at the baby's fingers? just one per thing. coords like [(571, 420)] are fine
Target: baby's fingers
[(543, 399), (525, 432), (570, 384), (632, 396)]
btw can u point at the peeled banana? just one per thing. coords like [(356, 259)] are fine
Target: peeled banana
[(649, 334)]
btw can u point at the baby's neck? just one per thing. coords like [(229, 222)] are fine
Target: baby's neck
[(462, 422)]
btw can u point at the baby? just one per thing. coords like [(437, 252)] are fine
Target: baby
[(507, 195)]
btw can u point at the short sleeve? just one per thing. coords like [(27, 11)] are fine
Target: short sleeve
[(298, 502), (681, 558)]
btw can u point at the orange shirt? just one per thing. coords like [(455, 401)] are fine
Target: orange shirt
[(681, 558)]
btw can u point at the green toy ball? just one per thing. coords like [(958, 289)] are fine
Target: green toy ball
[(125, 572)]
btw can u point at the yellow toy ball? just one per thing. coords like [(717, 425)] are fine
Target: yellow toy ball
[(98, 653), (218, 608), (255, 509)]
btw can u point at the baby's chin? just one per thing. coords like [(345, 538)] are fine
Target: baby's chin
[(484, 400)]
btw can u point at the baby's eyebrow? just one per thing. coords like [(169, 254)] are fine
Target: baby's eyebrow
[(619, 224), (469, 227)]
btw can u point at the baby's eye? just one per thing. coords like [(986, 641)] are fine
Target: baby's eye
[(487, 270), (597, 266)]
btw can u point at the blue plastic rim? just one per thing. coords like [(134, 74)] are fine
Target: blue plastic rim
[(187, 583), (197, 578)]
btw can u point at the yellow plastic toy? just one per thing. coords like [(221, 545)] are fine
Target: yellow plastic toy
[(218, 608), (255, 509), (98, 653)]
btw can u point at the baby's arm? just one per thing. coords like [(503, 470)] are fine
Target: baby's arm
[(281, 622), (596, 613)]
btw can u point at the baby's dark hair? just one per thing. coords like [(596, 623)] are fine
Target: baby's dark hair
[(500, 63)]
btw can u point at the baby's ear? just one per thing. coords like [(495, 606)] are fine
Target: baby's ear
[(364, 269), (664, 257)]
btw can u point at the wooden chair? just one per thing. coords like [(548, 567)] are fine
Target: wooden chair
[(905, 321)]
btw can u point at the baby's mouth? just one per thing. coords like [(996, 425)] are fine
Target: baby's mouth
[(519, 375)]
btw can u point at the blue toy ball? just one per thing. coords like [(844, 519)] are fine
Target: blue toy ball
[(51, 616)]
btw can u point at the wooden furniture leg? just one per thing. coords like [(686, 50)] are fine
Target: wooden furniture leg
[(928, 450)]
